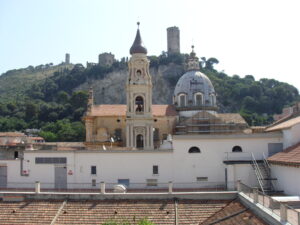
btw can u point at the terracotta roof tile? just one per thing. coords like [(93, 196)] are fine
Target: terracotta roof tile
[(12, 134), (284, 125), (232, 118), (290, 156), (120, 110), (101, 211), (234, 213), (36, 138)]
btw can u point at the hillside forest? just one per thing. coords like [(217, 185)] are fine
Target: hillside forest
[(54, 98)]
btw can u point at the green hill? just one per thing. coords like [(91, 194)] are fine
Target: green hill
[(14, 83)]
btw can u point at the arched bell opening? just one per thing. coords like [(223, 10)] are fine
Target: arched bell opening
[(139, 104)]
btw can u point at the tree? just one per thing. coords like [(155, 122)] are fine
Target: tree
[(209, 64), (31, 111), (48, 136), (79, 99)]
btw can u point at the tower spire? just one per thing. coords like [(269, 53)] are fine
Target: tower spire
[(137, 46)]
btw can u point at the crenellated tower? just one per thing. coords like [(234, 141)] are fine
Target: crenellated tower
[(139, 119)]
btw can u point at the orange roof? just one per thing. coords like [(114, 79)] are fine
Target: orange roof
[(290, 156), (36, 138), (120, 110), (11, 134), (284, 125)]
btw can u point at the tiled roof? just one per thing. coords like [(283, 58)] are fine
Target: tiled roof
[(233, 213), (120, 110), (290, 156), (231, 118), (100, 211), (12, 134), (284, 125), (36, 138), (28, 212)]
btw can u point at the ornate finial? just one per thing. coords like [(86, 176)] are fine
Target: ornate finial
[(193, 48), (138, 23)]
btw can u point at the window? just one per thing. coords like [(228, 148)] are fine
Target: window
[(155, 169), (212, 99), (93, 170), (199, 179), (94, 183), (156, 134), (16, 154), (182, 100), (237, 149), (50, 160), (151, 182), (118, 134), (198, 99), (194, 150), (165, 136), (125, 182)]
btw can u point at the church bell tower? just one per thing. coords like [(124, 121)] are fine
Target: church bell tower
[(139, 119)]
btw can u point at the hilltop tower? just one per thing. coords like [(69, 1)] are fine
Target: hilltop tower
[(139, 118), (67, 59), (173, 36)]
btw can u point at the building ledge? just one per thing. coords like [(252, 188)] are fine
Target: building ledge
[(232, 162)]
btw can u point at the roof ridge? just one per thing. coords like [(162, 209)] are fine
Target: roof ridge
[(292, 147)]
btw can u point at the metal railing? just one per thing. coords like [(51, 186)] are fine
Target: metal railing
[(258, 173), (238, 156), (284, 211), (268, 169)]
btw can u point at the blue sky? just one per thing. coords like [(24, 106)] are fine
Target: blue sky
[(255, 37)]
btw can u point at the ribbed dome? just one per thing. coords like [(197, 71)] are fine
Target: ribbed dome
[(189, 85)]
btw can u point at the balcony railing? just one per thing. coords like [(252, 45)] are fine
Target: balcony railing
[(242, 156), (151, 187), (285, 211)]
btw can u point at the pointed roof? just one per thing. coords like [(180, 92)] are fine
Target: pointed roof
[(137, 46)]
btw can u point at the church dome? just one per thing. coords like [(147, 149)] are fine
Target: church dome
[(194, 89)]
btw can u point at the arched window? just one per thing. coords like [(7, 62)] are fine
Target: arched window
[(139, 141), (194, 150), (212, 99), (237, 149), (182, 100), (139, 104), (198, 99)]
